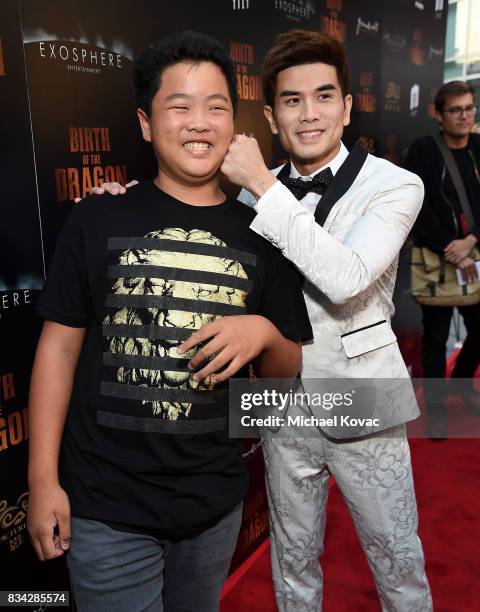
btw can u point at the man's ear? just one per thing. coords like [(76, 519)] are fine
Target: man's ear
[(439, 118), (144, 124), (348, 101), (268, 112)]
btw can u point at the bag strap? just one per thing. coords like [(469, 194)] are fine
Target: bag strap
[(455, 176)]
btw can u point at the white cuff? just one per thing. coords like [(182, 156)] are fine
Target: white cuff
[(268, 195)]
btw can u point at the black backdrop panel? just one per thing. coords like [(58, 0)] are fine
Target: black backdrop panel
[(83, 109), (21, 277)]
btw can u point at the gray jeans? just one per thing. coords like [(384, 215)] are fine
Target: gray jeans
[(129, 572)]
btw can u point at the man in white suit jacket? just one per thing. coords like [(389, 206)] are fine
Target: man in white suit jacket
[(346, 243)]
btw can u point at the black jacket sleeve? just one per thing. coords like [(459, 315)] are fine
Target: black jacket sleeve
[(428, 230)]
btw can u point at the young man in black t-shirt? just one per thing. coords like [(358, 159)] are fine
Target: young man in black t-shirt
[(129, 448)]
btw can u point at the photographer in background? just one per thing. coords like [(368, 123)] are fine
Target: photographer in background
[(449, 226)]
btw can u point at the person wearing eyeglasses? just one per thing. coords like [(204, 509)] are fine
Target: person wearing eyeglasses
[(441, 227)]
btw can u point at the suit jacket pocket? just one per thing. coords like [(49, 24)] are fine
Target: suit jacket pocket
[(368, 338)]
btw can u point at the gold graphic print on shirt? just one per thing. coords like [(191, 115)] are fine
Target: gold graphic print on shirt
[(167, 285)]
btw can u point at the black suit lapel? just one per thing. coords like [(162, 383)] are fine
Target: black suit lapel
[(341, 182), (284, 172)]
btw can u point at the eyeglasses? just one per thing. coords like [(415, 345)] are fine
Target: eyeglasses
[(456, 111)]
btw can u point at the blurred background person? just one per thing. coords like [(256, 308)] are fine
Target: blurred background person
[(442, 228)]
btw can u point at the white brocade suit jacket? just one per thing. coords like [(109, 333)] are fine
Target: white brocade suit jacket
[(350, 266)]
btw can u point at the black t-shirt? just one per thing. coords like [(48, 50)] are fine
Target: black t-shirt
[(145, 448), (467, 170)]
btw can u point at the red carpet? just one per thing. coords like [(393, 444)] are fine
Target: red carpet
[(447, 480), (447, 477)]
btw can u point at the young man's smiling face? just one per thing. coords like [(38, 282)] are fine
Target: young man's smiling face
[(191, 122), (309, 115)]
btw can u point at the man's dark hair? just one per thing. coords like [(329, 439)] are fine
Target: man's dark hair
[(180, 47), (298, 47), (453, 88)]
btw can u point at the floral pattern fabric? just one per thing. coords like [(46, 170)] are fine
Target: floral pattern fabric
[(374, 475)]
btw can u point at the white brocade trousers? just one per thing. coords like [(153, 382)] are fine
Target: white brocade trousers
[(374, 474)]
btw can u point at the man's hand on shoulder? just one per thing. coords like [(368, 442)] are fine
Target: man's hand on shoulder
[(111, 188), (244, 166)]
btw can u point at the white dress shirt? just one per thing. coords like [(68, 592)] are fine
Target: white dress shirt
[(311, 200)]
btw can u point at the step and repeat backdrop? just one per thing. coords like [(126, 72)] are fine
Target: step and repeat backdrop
[(68, 122)]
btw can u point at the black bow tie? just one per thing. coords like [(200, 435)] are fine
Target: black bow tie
[(299, 187)]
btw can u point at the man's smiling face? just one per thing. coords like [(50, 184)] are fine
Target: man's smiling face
[(191, 122), (309, 115)]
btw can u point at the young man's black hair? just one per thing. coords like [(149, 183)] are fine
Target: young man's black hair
[(179, 47)]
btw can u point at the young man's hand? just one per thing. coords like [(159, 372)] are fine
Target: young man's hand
[(459, 249), (244, 166), (236, 340), (468, 269), (111, 188), (48, 508)]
